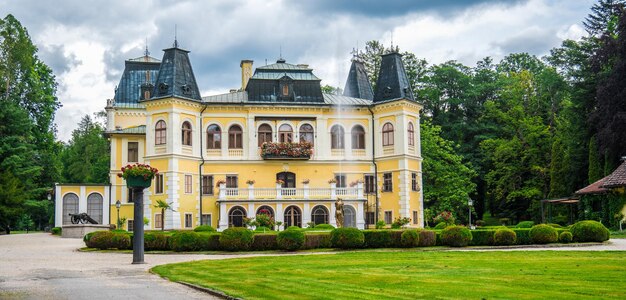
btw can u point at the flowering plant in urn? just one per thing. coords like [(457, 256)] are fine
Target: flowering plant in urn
[(138, 175)]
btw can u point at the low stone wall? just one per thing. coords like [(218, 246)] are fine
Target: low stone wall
[(78, 231)]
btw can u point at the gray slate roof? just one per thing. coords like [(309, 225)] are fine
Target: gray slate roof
[(392, 81), (357, 84), (137, 71), (176, 76), (242, 97)]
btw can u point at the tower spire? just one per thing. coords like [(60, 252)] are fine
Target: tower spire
[(146, 52), (175, 35)]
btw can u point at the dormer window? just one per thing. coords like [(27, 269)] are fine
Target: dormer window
[(186, 89), (163, 87), (285, 90)]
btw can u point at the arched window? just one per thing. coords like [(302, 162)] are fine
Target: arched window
[(358, 137), (160, 133), (235, 137), (293, 216), (265, 210), (285, 133), (265, 134), (236, 216), (186, 133), (306, 133), (94, 207), (319, 215), (387, 134), (70, 206), (349, 216), (336, 137), (288, 178), (213, 137), (411, 131)]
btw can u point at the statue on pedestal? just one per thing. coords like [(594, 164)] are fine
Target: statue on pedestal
[(339, 213)]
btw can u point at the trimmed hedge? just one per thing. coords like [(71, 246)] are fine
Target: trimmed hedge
[(107, 240), (263, 242), (204, 228), (482, 237), (456, 236), (347, 238), (290, 240), (543, 234), (377, 238), (565, 237), (317, 240), (410, 238), (324, 226), (428, 238), (396, 238), (210, 241), (589, 231), (185, 241), (525, 224), (156, 241), (504, 237), (523, 236), (56, 230), (236, 239)]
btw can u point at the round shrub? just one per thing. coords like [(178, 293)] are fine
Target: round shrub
[(204, 228), (441, 225), (589, 231), (185, 241), (156, 241), (456, 236), (293, 228), (525, 224), (120, 241), (324, 226), (543, 234), (410, 238), (554, 225), (504, 237), (290, 240), (565, 237), (377, 238), (236, 239), (347, 238), (100, 240)]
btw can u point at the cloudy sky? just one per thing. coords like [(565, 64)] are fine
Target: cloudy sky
[(86, 42)]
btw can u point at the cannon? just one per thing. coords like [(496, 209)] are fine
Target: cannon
[(82, 218)]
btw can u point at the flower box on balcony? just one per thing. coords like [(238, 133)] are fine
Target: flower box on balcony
[(295, 151)]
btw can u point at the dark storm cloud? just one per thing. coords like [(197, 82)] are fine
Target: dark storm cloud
[(388, 8)]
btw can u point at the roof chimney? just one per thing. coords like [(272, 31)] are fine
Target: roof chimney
[(246, 72)]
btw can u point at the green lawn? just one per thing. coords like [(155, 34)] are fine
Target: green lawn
[(410, 275), (618, 234)]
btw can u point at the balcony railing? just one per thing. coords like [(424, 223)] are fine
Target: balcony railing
[(277, 193)]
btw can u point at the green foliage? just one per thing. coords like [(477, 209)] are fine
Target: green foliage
[(595, 170), (380, 224), (456, 236), (236, 239), (120, 241), (565, 237), (209, 241), (400, 222), (324, 226), (316, 241), (347, 238), (525, 224), (265, 220), (428, 238), (589, 231), (56, 230), (86, 157), (290, 240), (482, 237), (523, 236), (204, 228), (410, 238), (504, 237), (442, 225), (185, 241), (543, 234), (263, 242), (376, 238), (156, 241), (107, 240)]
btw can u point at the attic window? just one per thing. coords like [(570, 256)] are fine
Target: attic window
[(387, 91), (163, 87), (186, 89)]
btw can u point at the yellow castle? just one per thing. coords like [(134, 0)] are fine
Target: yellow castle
[(276, 146)]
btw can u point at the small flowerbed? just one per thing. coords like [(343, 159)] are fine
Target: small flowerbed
[(302, 150)]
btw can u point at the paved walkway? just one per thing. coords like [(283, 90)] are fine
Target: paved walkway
[(41, 266)]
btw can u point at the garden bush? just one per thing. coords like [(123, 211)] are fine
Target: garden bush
[(209, 241), (204, 228), (456, 236), (293, 228), (410, 238), (100, 240), (120, 241), (263, 242), (428, 238), (156, 241), (324, 226), (317, 240), (236, 239), (441, 225), (185, 241), (377, 238), (523, 236), (589, 231), (56, 230), (347, 238), (525, 224), (565, 237), (396, 238), (262, 229), (87, 237), (290, 239), (555, 225), (482, 237), (504, 237), (543, 234)]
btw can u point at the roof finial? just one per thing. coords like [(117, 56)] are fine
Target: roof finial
[(392, 41), (146, 52), (280, 51), (175, 35)]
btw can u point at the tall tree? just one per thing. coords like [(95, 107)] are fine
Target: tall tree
[(86, 157)]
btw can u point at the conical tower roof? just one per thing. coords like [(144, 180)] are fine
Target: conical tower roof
[(176, 77), (357, 84), (392, 81)]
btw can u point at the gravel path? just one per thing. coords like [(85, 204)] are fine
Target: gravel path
[(41, 266)]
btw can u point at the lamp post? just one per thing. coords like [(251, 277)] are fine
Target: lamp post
[(118, 204), (470, 202)]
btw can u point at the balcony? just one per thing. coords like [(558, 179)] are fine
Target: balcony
[(286, 151), (280, 193)]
